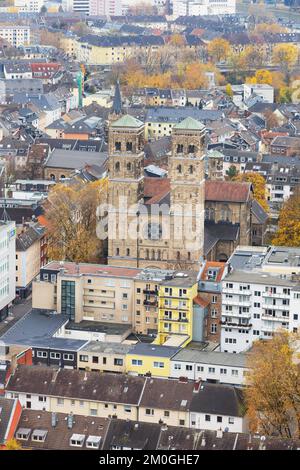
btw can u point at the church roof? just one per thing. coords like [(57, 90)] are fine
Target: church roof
[(190, 123), (117, 103), (227, 191), (127, 121)]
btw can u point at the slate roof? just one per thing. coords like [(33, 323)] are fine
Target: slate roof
[(210, 357), (117, 41), (77, 384), (259, 213), (7, 407), (74, 159), (176, 115), (58, 437), (218, 399), (27, 238), (215, 232), (132, 434), (167, 394)]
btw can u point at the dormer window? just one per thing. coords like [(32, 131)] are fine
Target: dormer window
[(180, 148), (129, 146), (118, 146)]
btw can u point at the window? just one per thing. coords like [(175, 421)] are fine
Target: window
[(219, 419), (95, 359), (235, 372), (177, 366), (84, 358), (68, 357), (213, 328), (60, 401), (118, 362), (181, 422), (179, 148), (42, 399), (231, 420), (207, 417), (136, 362), (149, 411), (54, 355), (214, 313), (223, 371), (118, 146), (93, 411), (42, 354), (214, 299), (212, 370), (159, 365), (127, 409), (68, 299)]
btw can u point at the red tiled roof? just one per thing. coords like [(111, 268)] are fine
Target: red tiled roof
[(200, 301), (156, 189), (213, 264), (227, 191)]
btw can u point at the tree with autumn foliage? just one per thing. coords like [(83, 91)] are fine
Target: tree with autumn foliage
[(253, 57), (262, 77), (12, 444), (273, 386), (288, 232), (228, 90), (218, 49), (71, 221), (259, 187), (286, 56)]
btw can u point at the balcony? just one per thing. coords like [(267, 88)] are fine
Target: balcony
[(236, 302), (151, 303), (236, 325), (271, 318), (150, 292), (178, 320), (236, 314), (276, 296)]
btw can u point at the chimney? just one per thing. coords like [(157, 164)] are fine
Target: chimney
[(70, 420), (197, 386), (53, 420)]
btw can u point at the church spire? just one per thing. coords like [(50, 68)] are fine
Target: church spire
[(117, 103)]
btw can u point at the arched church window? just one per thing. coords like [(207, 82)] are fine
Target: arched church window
[(127, 252), (159, 255), (117, 251), (225, 214), (147, 254), (129, 166), (153, 254), (118, 146), (211, 213), (179, 148), (191, 169), (117, 166), (129, 146), (179, 169), (191, 149), (52, 177), (189, 256), (178, 255)]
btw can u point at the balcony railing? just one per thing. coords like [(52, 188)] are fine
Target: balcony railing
[(236, 325), (150, 291), (151, 303)]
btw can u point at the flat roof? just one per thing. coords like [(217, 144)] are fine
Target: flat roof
[(99, 327), (211, 357), (146, 349), (104, 347), (103, 270), (259, 277)]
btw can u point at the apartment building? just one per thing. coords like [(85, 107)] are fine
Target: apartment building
[(16, 35), (203, 7), (142, 399), (7, 266), (150, 359), (210, 366), (108, 294), (99, 356), (260, 294), (177, 323), (210, 289)]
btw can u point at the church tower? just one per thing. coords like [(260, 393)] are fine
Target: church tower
[(126, 186), (187, 198)]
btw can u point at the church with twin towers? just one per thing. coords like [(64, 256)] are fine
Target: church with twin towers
[(155, 222)]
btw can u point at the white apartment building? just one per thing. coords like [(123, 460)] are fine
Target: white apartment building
[(210, 366), (203, 7), (7, 266), (260, 294), (105, 8), (80, 6), (29, 6), (15, 35), (264, 91)]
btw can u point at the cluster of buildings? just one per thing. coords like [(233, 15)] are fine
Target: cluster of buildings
[(152, 348)]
